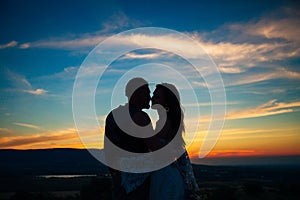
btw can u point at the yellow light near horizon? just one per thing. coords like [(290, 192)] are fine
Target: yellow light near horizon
[(232, 142), (247, 142)]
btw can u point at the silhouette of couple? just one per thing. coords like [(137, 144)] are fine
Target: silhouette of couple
[(174, 181)]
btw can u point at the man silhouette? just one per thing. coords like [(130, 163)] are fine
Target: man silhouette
[(119, 131)]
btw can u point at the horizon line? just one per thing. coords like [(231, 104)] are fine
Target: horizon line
[(191, 157)]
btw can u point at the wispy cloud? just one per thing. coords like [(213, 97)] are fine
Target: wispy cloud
[(91, 40), (275, 73), (31, 140), (5, 131), (133, 55), (63, 43), (232, 153), (24, 46), (264, 91), (118, 22), (201, 84), (68, 73), (36, 92), (233, 57), (28, 125), (272, 27), (248, 44), (8, 45), (114, 24), (204, 104), (248, 134), (271, 107), (271, 38), (17, 80), (52, 139), (21, 84), (253, 44)]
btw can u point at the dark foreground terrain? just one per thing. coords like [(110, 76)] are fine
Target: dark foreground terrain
[(72, 174)]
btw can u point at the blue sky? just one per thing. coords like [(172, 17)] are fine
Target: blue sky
[(255, 45)]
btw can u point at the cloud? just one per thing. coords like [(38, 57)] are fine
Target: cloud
[(233, 57), (231, 70), (21, 84), (254, 44), (168, 42), (133, 55), (232, 153), (264, 91), (31, 140), (28, 125), (65, 138), (89, 71), (17, 80), (206, 104), (287, 28), (276, 73), (68, 73), (24, 46), (281, 25), (5, 131), (119, 21), (91, 40), (202, 84), (61, 43), (247, 134), (36, 92), (247, 44), (271, 107), (114, 24), (8, 45), (236, 47)]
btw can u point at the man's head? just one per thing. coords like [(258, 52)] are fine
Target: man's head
[(138, 93)]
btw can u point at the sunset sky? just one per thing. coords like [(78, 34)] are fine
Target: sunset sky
[(255, 44)]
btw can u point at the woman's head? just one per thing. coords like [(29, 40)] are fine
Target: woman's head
[(167, 96)]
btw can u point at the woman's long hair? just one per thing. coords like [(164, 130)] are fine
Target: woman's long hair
[(174, 111)]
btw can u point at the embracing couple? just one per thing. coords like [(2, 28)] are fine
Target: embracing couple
[(176, 180)]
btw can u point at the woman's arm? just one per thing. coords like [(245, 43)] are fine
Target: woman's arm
[(161, 138)]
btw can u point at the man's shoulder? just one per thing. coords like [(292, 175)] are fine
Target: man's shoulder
[(115, 110)]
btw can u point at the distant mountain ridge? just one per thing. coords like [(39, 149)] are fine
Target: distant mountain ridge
[(49, 161), (67, 161)]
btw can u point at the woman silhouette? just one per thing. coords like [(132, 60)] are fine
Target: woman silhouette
[(175, 181)]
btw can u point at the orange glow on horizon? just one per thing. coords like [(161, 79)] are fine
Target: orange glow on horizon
[(240, 153), (231, 143)]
